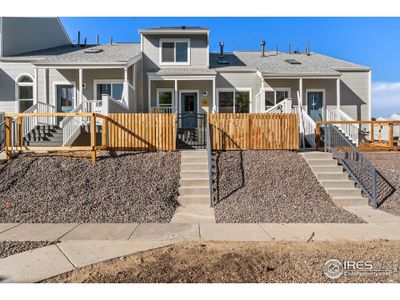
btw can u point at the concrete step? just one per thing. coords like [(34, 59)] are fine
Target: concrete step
[(194, 167), (317, 155), (194, 174), (332, 176), (337, 183), (201, 191), (350, 201), (193, 182), (327, 169), (194, 154), (189, 200), (322, 162), (343, 192), (194, 214), (192, 160)]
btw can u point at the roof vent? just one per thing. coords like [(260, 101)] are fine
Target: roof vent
[(292, 61), (93, 50)]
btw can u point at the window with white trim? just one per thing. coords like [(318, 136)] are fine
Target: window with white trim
[(282, 94), (113, 89), (165, 97), (234, 101), (273, 97), (24, 92), (175, 51)]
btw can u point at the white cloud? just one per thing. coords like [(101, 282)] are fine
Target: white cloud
[(385, 98)]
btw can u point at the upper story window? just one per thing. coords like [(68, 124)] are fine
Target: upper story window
[(174, 52)]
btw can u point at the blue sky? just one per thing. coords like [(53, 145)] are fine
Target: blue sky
[(369, 41)]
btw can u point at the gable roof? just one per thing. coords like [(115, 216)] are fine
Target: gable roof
[(115, 54), (276, 64)]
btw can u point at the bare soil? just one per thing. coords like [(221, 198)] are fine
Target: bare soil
[(271, 187), (118, 188), (240, 262)]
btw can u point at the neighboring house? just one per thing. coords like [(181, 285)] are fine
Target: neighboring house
[(172, 70)]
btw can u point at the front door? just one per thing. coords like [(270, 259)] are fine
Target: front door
[(315, 103), (189, 110), (65, 98)]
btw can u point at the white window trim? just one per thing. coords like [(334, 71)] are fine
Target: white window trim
[(18, 84), (55, 83), (161, 90), (234, 90), (323, 101), (283, 89), (106, 81), (164, 40)]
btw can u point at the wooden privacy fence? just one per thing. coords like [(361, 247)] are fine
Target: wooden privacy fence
[(142, 131), (229, 131)]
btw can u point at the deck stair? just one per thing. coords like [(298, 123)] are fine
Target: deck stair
[(194, 189), (44, 135), (336, 182)]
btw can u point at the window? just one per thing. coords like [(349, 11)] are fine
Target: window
[(175, 51), (234, 101), (113, 89), (282, 94), (165, 97), (277, 95), (24, 92)]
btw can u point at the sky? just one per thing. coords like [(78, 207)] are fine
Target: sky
[(373, 42)]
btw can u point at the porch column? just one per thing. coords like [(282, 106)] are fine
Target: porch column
[(149, 95), (126, 92), (176, 95), (80, 85), (214, 102), (338, 93), (35, 87), (45, 84), (300, 92)]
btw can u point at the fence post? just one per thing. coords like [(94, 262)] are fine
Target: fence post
[(19, 131), (104, 133), (374, 196), (8, 138), (93, 136), (372, 132), (317, 136), (391, 135)]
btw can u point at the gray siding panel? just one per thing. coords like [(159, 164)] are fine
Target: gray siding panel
[(29, 34)]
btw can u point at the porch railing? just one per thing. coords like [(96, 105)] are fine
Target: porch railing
[(334, 113), (374, 186), (71, 126), (164, 110), (285, 106), (2, 132), (28, 124)]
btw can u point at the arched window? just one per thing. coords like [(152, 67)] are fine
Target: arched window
[(24, 92)]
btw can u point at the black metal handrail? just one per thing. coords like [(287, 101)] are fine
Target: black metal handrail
[(364, 173), (209, 157)]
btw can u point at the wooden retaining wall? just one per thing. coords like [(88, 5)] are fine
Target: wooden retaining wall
[(254, 131), (142, 131)]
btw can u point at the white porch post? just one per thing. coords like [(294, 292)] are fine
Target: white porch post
[(126, 92), (214, 103), (176, 96), (35, 87), (301, 92), (149, 95), (80, 85), (338, 93)]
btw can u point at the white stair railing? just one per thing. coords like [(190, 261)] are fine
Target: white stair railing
[(285, 106), (309, 127), (71, 126), (334, 113), (29, 123)]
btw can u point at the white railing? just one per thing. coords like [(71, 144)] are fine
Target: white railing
[(71, 126), (309, 127), (164, 110), (334, 113), (2, 132), (285, 106), (29, 123)]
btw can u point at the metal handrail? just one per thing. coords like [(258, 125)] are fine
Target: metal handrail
[(345, 152), (209, 153)]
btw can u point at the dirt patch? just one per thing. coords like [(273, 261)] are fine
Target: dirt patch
[(10, 248), (271, 186), (126, 187), (212, 262)]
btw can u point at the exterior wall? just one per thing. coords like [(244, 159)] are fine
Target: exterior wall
[(198, 51), (9, 72), (293, 84), (354, 94), (139, 97), (240, 80), (21, 35)]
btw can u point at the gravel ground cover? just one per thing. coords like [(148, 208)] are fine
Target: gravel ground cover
[(271, 186), (392, 203), (240, 262), (10, 248), (122, 187)]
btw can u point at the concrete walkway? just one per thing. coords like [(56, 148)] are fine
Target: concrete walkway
[(84, 244)]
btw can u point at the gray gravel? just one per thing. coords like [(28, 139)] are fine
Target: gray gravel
[(271, 186), (392, 203), (130, 187), (11, 248)]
